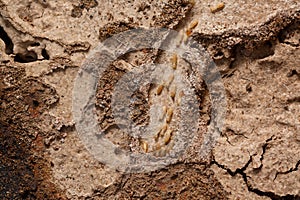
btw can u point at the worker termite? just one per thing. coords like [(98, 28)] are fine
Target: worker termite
[(164, 110), (160, 153), (157, 147), (190, 28), (145, 146), (192, 2), (179, 98), (172, 92), (163, 113), (159, 89), (174, 61), (169, 115), (170, 146), (168, 136), (182, 38), (181, 93), (217, 8), (193, 24), (156, 136), (163, 130), (170, 80)]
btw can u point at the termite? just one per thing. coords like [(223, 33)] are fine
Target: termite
[(145, 146), (162, 153), (174, 61), (181, 94), (170, 80), (159, 89), (163, 114), (192, 25), (188, 32), (173, 92), (169, 115), (170, 146), (156, 136), (163, 130), (168, 136), (157, 147), (192, 2), (217, 8), (164, 109), (182, 38)]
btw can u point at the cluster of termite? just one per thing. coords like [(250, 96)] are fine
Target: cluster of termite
[(164, 137)]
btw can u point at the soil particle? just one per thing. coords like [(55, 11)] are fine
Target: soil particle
[(24, 171), (174, 182)]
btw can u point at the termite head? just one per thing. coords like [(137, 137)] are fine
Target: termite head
[(188, 32)]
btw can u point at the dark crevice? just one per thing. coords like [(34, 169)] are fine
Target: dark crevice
[(264, 148), (29, 56), (265, 35), (290, 170), (291, 44), (35, 103), (9, 46), (292, 73), (294, 100), (263, 50), (229, 73), (60, 69), (241, 171), (67, 128), (232, 67), (235, 133), (26, 55), (21, 32), (34, 44), (227, 140), (271, 195), (231, 132), (45, 54), (237, 171), (289, 32)]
